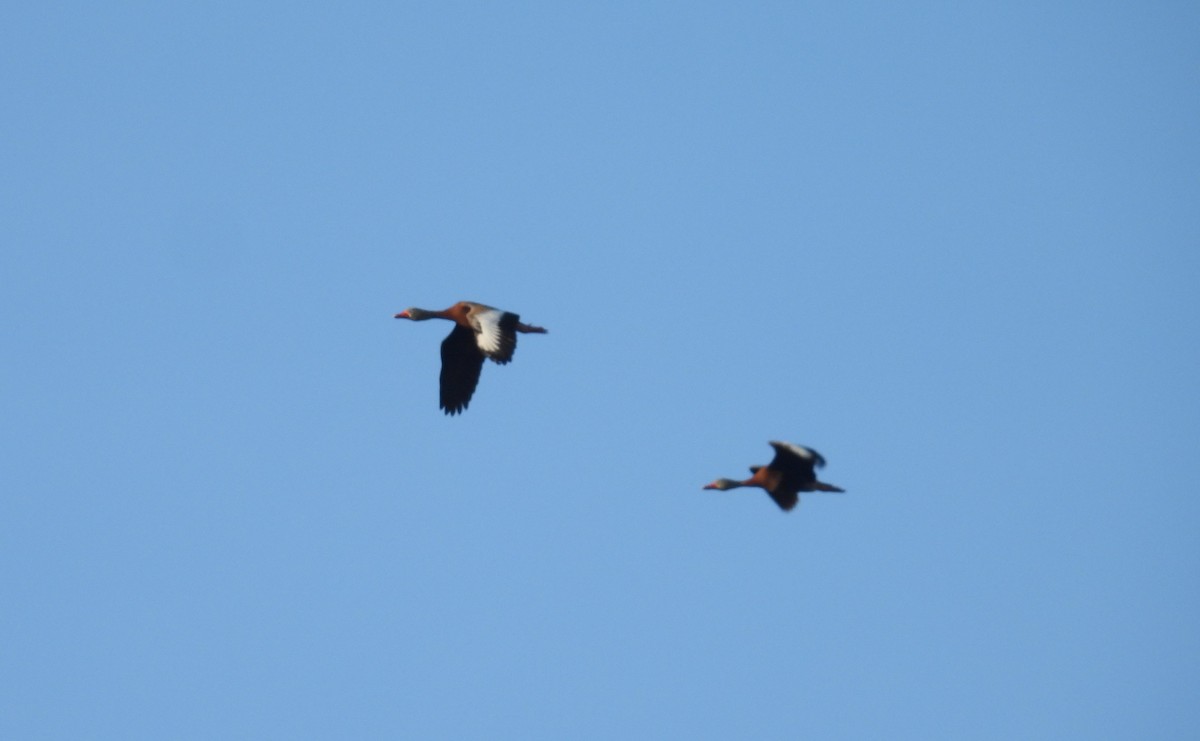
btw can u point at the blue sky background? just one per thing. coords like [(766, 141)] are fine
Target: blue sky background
[(954, 247)]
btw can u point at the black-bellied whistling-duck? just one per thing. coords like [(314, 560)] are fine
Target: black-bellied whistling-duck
[(790, 472), (479, 331)]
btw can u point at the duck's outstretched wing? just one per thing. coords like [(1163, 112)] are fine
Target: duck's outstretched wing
[(796, 460), (787, 499), (495, 332), (462, 362)]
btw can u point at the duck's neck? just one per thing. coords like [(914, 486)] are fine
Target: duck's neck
[(420, 315)]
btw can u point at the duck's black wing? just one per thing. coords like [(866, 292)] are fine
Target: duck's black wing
[(462, 362)]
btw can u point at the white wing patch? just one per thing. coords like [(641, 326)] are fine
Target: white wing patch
[(489, 335), (800, 451)]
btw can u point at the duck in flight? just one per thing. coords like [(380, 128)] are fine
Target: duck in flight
[(479, 332), (790, 472)]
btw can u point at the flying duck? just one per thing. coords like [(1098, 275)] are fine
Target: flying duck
[(790, 472), (479, 332)]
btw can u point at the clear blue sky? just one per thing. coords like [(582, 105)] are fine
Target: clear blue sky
[(954, 247)]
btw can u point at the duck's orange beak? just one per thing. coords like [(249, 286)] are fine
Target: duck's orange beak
[(402, 315)]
